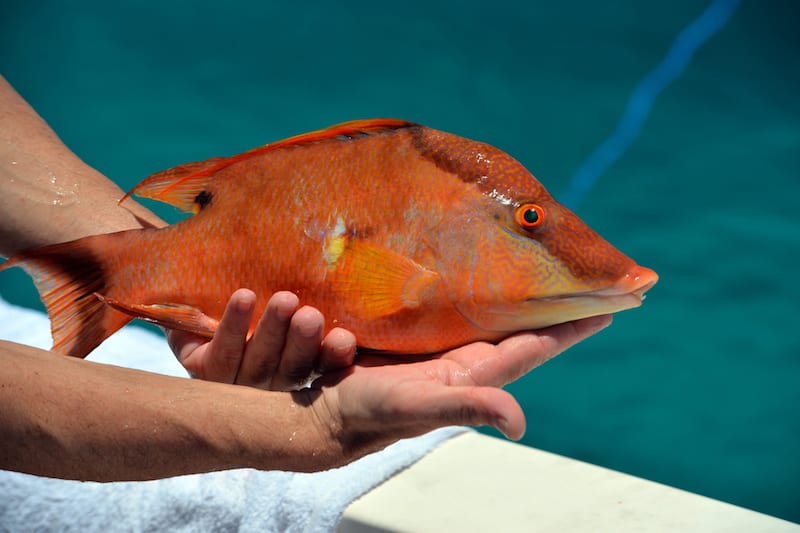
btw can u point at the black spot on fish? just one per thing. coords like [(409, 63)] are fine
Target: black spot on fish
[(203, 199)]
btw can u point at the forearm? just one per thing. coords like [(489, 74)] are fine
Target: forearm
[(49, 194), (69, 418)]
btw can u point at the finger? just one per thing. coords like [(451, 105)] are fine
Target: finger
[(299, 360), (479, 406), (524, 352), (263, 353), (519, 354), (438, 406), (224, 355), (530, 351), (183, 344), (338, 350)]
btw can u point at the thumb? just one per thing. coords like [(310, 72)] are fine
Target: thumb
[(470, 406)]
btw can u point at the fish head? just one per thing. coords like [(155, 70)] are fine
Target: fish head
[(511, 257)]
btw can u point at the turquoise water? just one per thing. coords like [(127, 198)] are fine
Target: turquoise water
[(697, 389)]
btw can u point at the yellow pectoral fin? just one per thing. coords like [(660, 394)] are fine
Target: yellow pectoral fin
[(376, 282), (168, 315)]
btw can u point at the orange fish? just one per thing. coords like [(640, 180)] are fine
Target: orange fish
[(414, 239)]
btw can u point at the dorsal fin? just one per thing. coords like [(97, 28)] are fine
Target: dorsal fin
[(181, 185), (352, 128)]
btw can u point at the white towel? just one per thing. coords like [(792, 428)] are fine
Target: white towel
[(244, 500)]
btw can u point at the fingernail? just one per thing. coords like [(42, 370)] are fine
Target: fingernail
[(284, 314), (601, 323), (309, 330), (244, 305), (501, 424), (593, 324), (284, 305)]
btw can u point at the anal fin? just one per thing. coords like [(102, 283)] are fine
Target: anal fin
[(168, 315)]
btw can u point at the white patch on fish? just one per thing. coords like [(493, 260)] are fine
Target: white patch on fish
[(335, 242)]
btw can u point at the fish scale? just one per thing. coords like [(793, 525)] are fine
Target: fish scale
[(415, 239)]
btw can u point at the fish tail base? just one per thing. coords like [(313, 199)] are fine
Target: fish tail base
[(68, 276)]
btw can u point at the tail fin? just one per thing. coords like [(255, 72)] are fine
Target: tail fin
[(67, 277)]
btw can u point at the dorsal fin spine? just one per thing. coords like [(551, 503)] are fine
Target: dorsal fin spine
[(168, 185)]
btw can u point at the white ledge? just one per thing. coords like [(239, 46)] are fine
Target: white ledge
[(478, 483)]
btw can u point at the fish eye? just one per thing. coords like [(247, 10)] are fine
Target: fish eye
[(529, 216)]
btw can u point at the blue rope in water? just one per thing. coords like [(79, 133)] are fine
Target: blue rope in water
[(641, 100)]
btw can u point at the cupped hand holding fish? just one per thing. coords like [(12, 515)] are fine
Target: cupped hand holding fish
[(381, 399), (286, 350), (81, 420)]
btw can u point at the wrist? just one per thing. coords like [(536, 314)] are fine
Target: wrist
[(346, 431), (276, 430)]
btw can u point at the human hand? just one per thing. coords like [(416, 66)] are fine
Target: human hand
[(380, 399), (287, 348)]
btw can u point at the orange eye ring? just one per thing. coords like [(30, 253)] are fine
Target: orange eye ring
[(529, 216)]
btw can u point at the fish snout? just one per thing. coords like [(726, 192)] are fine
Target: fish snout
[(637, 281)]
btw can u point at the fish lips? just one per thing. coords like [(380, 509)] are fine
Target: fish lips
[(626, 293), (636, 282), (540, 312)]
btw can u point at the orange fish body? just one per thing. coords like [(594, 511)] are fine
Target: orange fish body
[(414, 239)]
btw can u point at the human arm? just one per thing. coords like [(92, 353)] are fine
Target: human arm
[(48, 195), (75, 419)]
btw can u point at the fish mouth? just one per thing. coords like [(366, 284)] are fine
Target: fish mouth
[(539, 312), (636, 282), (628, 291)]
